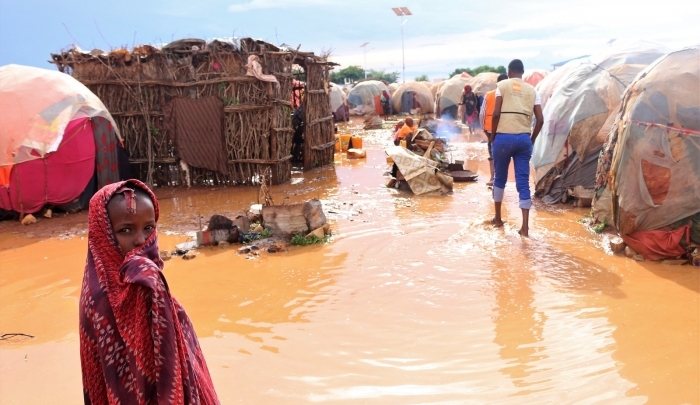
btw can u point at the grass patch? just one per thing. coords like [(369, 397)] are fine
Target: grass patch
[(253, 236), (301, 240), (600, 227)]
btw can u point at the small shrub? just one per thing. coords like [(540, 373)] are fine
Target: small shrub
[(301, 240)]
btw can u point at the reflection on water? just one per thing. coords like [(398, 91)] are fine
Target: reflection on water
[(417, 300)]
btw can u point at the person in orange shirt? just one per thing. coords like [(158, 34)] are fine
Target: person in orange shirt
[(485, 117), (408, 128)]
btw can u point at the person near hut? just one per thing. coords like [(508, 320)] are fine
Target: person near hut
[(469, 108), (404, 131), (298, 125), (513, 136), (137, 344), (485, 119), (386, 104)]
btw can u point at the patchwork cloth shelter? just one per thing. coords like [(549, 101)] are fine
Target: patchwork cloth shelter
[(411, 95), (577, 120), (56, 140), (648, 180), (549, 84), (484, 82), (339, 102)]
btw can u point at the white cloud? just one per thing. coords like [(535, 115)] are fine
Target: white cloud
[(267, 4)]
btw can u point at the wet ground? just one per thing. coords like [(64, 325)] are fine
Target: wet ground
[(415, 301)]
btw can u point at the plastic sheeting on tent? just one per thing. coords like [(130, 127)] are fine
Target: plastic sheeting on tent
[(649, 171), (552, 81), (48, 139), (339, 102), (578, 116), (36, 106), (534, 76), (422, 93), (364, 92), (392, 88)]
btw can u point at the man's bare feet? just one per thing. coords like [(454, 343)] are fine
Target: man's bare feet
[(496, 223), (524, 232), (490, 183)]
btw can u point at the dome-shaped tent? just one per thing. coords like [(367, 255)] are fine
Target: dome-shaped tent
[(449, 95), (551, 82), (649, 172), (339, 102), (534, 76), (412, 95), (483, 83), (577, 119), (55, 135), (364, 92), (392, 88)]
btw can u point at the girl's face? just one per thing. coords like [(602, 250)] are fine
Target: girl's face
[(132, 229)]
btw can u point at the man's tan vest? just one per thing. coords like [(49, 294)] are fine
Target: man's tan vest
[(517, 108)]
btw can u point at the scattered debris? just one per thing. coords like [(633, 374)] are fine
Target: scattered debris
[(189, 256), (617, 245), (629, 252), (28, 220), (48, 213), (244, 250), (224, 245), (674, 262), (165, 255), (356, 154)]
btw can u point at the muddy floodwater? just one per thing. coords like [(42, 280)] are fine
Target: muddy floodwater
[(415, 301)]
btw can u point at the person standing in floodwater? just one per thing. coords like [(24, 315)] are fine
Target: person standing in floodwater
[(516, 102), (137, 344)]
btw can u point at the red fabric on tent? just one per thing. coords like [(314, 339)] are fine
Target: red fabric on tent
[(657, 245), (59, 178)]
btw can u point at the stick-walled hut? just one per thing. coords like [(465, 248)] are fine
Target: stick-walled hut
[(210, 113)]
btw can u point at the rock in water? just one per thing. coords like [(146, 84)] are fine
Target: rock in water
[(629, 252), (28, 220), (313, 212), (189, 256), (219, 222), (224, 245), (165, 255), (243, 223), (48, 213), (617, 245), (319, 233)]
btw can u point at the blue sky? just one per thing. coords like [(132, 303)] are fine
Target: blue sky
[(441, 35)]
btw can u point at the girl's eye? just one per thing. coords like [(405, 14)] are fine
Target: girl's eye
[(125, 230), (150, 227)]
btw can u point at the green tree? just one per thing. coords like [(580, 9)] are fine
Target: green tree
[(352, 73), (391, 77), (479, 69), (422, 78)]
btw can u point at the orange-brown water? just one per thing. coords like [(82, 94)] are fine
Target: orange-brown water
[(415, 301)]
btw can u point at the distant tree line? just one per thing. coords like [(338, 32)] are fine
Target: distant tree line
[(422, 78), (479, 69), (355, 73)]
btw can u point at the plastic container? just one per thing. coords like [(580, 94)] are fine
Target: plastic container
[(356, 142), (345, 142)]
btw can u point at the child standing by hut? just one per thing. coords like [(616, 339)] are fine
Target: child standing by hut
[(137, 344)]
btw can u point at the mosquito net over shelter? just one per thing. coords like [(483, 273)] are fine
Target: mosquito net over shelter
[(578, 118), (364, 92), (649, 172), (410, 95)]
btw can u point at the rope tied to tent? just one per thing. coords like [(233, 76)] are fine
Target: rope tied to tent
[(666, 127)]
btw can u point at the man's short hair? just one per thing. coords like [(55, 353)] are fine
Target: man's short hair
[(516, 66), (501, 77)]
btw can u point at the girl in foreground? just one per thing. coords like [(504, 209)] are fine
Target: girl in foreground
[(137, 344)]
